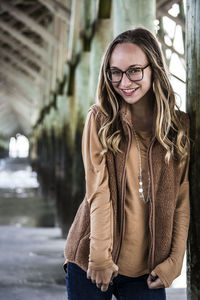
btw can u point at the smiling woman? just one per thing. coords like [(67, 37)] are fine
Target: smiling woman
[(137, 81), (129, 235)]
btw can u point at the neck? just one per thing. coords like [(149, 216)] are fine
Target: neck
[(142, 112)]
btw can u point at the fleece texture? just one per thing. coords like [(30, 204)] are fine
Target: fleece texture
[(165, 184)]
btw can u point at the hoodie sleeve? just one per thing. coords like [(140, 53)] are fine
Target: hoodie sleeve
[(98, 197), (168, 270)]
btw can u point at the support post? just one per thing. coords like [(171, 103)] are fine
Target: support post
[(193, 108)]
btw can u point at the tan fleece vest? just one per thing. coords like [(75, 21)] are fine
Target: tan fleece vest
[(165, 183)]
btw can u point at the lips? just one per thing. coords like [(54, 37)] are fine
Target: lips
[(129, 92)]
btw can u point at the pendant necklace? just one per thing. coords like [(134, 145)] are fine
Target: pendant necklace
[(141, 191)]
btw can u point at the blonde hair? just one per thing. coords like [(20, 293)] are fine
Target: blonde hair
[(169, 129)]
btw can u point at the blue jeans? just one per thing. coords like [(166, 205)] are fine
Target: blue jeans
[(124, 288)]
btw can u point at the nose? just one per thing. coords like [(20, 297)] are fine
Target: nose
[(125, 82)]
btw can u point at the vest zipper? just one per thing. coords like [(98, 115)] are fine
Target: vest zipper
[(123, 198), (152, 217)]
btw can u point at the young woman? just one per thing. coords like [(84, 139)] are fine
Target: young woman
[(129, 235)]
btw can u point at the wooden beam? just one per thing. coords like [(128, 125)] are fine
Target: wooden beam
[(16, 60), (57, 9), (29, 22), (74, 30), (15, 85), (162, 12), (24, 40), (166, 3), (8, 67), (171, 48), (17, 80), (25, 52), (193, 109)]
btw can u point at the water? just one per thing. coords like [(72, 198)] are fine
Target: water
[(20, 202)]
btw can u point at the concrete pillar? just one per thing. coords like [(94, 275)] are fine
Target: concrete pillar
[(193, 108), (82, 85), (130, 13), (102, 37)]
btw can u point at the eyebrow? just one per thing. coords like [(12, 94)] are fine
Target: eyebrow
[(135, 65)]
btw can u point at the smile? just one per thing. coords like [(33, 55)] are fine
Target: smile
[(129, 92)]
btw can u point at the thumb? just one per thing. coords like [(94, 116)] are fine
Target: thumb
[(153, 275)]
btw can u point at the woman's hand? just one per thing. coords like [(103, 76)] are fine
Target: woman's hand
[(102, 278), (154, 282)]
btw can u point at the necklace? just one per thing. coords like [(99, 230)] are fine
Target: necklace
[(141, 191)]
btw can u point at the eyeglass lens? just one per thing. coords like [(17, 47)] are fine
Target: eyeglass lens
[(134, 74)]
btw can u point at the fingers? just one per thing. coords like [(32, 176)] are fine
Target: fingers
[(154, 282), (101, 278), (104, 287)]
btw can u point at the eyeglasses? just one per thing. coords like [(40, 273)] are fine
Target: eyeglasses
[(133, 73)]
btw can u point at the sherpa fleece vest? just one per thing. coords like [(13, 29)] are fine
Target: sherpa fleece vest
[(165, 183)]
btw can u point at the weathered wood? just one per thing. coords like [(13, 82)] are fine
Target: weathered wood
[(57, 8), (28, 21), (19, 89), (130, 13), (171, 48), (21, 82), (74, 31), (10, 68), (166, 3), (31, 56), (193, 108), (18, 61), (24, 40), (163, 12)]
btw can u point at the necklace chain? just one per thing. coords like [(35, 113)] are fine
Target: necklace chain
[(141, 191)]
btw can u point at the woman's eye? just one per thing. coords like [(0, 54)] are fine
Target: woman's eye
[(115, 72), (134, 71)]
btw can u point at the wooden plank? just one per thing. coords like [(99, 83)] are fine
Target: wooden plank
[(57, 8), (16, 60), (74, 31), (14, 83), (163, 12), (31, 56), (24, 40), (8, 67), (193, 109), (29, 22), (166, 3)]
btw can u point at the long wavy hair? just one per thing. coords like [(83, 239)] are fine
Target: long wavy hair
[(169, 129)]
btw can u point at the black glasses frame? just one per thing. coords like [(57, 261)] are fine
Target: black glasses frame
[(126, 72)]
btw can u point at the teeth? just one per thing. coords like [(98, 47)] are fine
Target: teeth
[(129, 91)]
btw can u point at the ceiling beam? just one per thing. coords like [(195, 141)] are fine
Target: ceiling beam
[(31, 56), (24, 40), (162, 12), (16, 60), (57, 8), (29, 22), (24, 85), (14, 86), (166, 3), (8, 67)]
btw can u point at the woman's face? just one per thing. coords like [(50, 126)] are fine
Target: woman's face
[(123, 57)]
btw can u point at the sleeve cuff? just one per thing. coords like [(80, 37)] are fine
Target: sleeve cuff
[(100, 267), (168, 270)]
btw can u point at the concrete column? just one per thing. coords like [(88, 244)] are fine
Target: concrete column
[(82, 85), (130, 13), (193, 108), (102, 37)]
